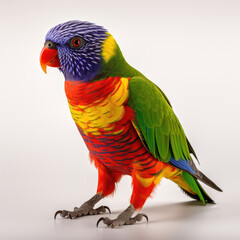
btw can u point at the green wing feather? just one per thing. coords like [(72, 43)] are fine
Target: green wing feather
[(159, 128)]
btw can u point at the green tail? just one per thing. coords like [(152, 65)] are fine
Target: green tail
[(197, 188)]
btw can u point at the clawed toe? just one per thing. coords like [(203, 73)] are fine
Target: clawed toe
[(107, 209), (63, 213), (79, 212), (139, 217), (99, 220), (119, 221)]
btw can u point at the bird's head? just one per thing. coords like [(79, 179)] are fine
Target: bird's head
[(81, 50)]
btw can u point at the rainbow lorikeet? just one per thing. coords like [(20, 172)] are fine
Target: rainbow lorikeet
[(126, 121)]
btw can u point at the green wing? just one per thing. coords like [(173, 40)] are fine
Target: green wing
[(157, 125)]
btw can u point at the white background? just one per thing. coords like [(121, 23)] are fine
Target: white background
[(190, 49)]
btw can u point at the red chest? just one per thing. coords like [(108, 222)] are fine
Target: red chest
[(98, 107), (117, 152), (104, 120)]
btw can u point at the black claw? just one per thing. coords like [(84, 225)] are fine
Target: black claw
[(144, 215), (69, 215), (99, 220), (55, 215), (107, 209)]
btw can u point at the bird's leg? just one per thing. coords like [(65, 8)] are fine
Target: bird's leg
[(124, 218), (143, 185), (139, 196), (106, 186), (85, 209)]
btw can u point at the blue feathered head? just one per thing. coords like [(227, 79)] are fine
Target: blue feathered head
[(78, 49)]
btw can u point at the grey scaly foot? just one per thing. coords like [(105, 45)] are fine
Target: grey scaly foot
[(85, 209), (124, 218)]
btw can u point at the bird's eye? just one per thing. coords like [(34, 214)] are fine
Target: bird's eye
[(76, 42)]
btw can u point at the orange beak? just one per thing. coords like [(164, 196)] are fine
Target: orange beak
[(49, 57)]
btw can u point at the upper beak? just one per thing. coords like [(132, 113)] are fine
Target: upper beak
[(49, 57)]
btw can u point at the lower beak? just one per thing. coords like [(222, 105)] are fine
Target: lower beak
[(49, 57)]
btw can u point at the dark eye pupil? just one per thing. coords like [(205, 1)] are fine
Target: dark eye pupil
[(76, 42)]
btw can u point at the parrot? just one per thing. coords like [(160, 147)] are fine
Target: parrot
[(126, 121)]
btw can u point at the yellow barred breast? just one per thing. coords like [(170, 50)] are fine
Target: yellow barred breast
[(102, 116)]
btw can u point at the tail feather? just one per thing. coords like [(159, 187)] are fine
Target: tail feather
[(193, 184), (196, 187), (199, 175), (195, 196), (207, 181), (204, 194), (190, 185), (190, 167)]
